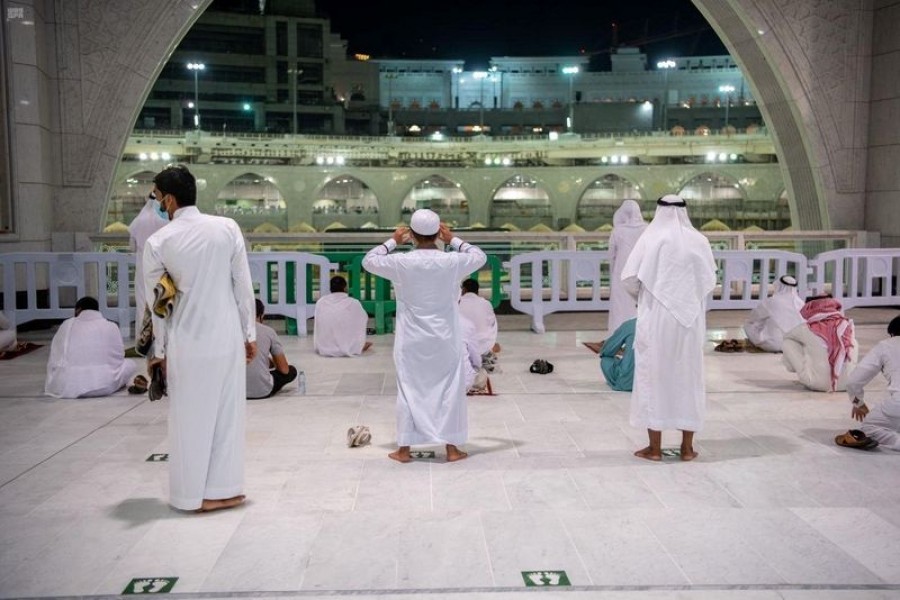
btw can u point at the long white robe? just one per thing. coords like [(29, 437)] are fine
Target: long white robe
[(481, 314), (471, 356), (806, 354), (431, 391), (340, 325), (773, 317), (204, 351), (146, 223), (628, 225), (87, 358), (671, 271), (883, 421), (7, 334)]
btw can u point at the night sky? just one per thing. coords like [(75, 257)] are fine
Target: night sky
[(475, 31)]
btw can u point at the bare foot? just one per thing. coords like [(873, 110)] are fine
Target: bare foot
[(401, 454), (454, 454), (211, 505), (688, 454), (649, 453), (366, 346)]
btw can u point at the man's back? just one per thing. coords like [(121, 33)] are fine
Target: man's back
[(340, 325), (259, 377), (480, 312)]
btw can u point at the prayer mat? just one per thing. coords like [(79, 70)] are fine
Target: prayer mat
[(595, 346), (22, 348), (132, 353)]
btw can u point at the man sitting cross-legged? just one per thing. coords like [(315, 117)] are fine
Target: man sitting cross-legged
[(340, 323), (269, 370)]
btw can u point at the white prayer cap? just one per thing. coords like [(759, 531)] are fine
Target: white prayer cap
[(788, 280), (425, 222)]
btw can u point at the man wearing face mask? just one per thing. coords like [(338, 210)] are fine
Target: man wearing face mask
[(151, 218)]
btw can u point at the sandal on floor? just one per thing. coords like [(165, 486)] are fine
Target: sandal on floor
[(855, 439), (139, 386), (157, 387)]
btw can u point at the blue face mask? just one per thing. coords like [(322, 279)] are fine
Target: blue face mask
[(160, 211)]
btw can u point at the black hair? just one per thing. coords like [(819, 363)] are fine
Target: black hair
[(179, 182), (260, 308), (87, 303), (470, 286), (894, 327), (338, 284)]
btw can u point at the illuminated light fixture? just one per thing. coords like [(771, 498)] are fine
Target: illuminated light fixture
[(437, 136), (733, 156), (710, 157), (496, 160), (646, 105), (666, 64), (476, 127), (362, 57), (507, 161), (142, 156), (320, 160), (624, 160), (604, 159), (614, 159), (329, 160), (487, 161), (166, 156), (554, 136), (415, 128), (722, 157), (339, 160), (154, 156), (190, 105), (246, 106)]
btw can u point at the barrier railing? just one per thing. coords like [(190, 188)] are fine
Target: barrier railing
[(863, 277), (283, 280)]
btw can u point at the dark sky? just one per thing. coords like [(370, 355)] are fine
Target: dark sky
[(476, 30)]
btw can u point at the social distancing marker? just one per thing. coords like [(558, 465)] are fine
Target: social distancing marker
[(422, 454), (545, 578), (158, 458), (150, 585), (671, 452)]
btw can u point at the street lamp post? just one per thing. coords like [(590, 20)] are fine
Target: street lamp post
[(727, 90), (570, 121), (196, 68), (456, 71), (295, 72), (665, 65), (390, 124)]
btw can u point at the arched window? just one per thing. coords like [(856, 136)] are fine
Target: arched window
[(440, 195), (252, 200), (520, 201), (347, 200), (601, 199), (128, 197), (713, 196)]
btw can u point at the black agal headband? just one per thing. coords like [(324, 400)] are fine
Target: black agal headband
[(662, 202)]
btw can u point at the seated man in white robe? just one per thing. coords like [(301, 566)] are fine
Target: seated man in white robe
[(475, 375), (340, 322), (880, 425), (87, 356), (8, 340), (822, 351), (774, 316), (481, 314)]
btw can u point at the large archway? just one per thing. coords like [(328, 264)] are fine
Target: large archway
[(522, 203), (345, 200), (128, 197), (253, 201), (601, 199), (713, 196), (440, 195)]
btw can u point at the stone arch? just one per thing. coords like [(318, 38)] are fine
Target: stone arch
[(713, 195), (346, 199), (129, 195), (449, 200), (252, 200), (522, 201), (602, 197)]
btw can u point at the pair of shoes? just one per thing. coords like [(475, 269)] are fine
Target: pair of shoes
[(157, 387), (139, 386), (358, 436), (856, 439), (730, 346), (541, 366)]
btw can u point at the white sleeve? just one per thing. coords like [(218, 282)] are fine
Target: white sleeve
[(472, 258), (378, 261), (865, 371), (242, 286), (153, 271)]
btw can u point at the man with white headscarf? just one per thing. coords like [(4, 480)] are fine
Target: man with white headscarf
[(671, 272), (774, 316), (628, 225), (431, 390)]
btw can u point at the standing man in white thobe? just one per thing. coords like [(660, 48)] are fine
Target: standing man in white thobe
[(209, 338), (87, 356), (431, 391), (340, 322), (774, 316), (670, 272), (628, 225), (882, 422), (147, 222)]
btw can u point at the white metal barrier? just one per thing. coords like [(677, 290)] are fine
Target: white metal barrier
[(51, 282), (572, 281)]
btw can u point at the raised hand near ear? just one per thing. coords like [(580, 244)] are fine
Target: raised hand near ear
[(445, 234)]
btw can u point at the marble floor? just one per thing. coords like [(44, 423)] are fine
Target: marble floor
[(771, 509)]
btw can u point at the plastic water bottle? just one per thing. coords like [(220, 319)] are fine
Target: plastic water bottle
[(301, 382)]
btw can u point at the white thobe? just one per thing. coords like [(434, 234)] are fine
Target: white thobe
[(471, 355), (87, 358), (806, 354), (7, 334), (883, 421), (671, 271), (204, 350), (431, 391), (628, 225), (340, 325), (481, 314), (146, 223), (773, 317)]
